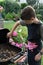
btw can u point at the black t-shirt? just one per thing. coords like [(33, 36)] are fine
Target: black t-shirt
[(3, 36), (34, 31)]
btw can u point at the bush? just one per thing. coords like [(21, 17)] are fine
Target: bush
[(16, 16), (11, 7), (23, 5), (9, 16), (20, 37), (2, 4), (12, 16), (16, 7), (17, 39), (3, 13), (8, 6), (41, 6), (22, 31), (39, 16), (41, 11)]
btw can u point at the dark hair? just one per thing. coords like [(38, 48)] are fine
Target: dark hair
[(27, 13)]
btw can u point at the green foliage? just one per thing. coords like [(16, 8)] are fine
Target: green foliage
[(23, 5), (17, 39), (39, 16), (9, 16), (3, 13), (40, 9), (8, 6), (9, 24), (40, 12), (31, 2), (2, 3), (1, 0), (16, 7), (16, 16), (22, 30), (11, 7), (41, 6)]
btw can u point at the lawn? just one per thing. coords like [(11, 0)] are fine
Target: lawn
[(9, 25), (1, 0), (42, 61)]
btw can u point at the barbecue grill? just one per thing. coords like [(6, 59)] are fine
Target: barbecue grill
[(7, 51)]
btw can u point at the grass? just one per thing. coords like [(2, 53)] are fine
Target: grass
[(42, 61), (9, 25), (1, 0)]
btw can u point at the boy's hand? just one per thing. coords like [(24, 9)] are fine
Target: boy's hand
[(38, 57), (9, 34)]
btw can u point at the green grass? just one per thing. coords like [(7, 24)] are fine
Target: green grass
[(9, 25), (1, 0), (42, 61)]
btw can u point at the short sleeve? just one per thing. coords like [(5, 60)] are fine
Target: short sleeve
[(22, 22), (41, 30)]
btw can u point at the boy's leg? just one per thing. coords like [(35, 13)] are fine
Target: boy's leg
[(31, 60), (35, 62)]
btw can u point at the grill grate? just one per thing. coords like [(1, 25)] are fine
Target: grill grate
[(7, 52)]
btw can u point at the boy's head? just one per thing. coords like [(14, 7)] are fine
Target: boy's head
[(28, 13)]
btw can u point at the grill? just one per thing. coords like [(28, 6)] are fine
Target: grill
[(7, 51)]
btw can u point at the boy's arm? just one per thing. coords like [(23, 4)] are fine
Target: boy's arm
[(38, 56), (14, 27), (20, 22)]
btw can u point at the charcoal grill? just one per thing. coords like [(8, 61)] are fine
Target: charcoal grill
[(7, 51)]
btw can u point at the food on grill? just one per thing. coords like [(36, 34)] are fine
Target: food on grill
[(7, 52)]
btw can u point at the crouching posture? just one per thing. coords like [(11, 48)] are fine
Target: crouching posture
[(29, 19)]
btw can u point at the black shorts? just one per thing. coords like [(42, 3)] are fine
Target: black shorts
[(31, 60), (31, 55)]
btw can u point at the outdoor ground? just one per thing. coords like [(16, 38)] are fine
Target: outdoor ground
[(9, 25), (1, 0)]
